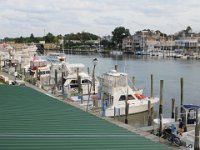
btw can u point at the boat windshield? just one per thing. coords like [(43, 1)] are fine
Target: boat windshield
[(123, 97)]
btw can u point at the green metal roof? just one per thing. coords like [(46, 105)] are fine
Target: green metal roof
[(32, 120)]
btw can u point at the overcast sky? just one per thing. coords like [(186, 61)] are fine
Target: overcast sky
[(23, 17)]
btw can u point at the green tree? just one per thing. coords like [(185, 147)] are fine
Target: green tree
[(20, 40), (50, 38), (107, 44), (32, 38), (118, 34)]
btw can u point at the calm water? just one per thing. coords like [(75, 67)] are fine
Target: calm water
[(170, 70)]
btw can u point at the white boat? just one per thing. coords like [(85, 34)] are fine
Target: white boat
[(56, 57), (115, 91), (71, 80), (116, 52), (39, 68)]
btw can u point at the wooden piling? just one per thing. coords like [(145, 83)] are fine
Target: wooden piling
[(152, 92), (181, 111), (161, 125), (79, 85), (24, 73), (182, 115), (78, 80), (161, 107), (63, 92), (20, 68), (88, 70), (126, 112), (133, 80), (81, 96), (126, 108), (114, 112), (161, 97), (173, 107), (56, 77), (152, 114), (149, 113), (116, 67), (0, 63), (196, 142), (176, 114)]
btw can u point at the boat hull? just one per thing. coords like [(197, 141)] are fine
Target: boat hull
[(134, 108)]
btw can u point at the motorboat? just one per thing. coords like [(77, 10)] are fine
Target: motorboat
[(189, 113), (68, 78), (116, 52), (115, 93), (87, 83), (39, 68), (56, 57)]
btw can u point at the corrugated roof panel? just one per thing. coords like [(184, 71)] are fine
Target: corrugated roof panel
[(32, 120)]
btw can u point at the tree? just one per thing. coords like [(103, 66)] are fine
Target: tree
[(32, 38), (49, 38), (107, 44), (118, 34), (19, 40), (188, 29)]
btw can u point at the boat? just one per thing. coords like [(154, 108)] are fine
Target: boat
[(56, 57), (116, 52), (115, 92), (71, 83), (39, 68), (189, 113)]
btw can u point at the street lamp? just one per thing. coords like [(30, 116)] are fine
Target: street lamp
[(95, 61), (15, 74)]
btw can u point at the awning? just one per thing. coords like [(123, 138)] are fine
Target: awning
[(191, 106)]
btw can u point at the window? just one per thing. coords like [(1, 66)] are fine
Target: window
[(123, 97), (85, 81), (73, 82)]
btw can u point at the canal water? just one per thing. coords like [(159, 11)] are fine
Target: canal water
[(141, 67)]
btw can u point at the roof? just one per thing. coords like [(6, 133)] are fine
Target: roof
[(191, 106), (32, 120)]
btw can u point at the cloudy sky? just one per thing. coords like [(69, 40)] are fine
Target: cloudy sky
[(23, 17)]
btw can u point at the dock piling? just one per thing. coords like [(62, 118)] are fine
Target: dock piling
[(181, 111), (56, 77), (88, 70), (126, 112), (182, 92), (133, 80), (116, 67), (196, 142), (173, 108), (161, 107), (114, 112), (63, 92), (176, 114), (152, 92), (161, 97), (79, 85), (149, 113)]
